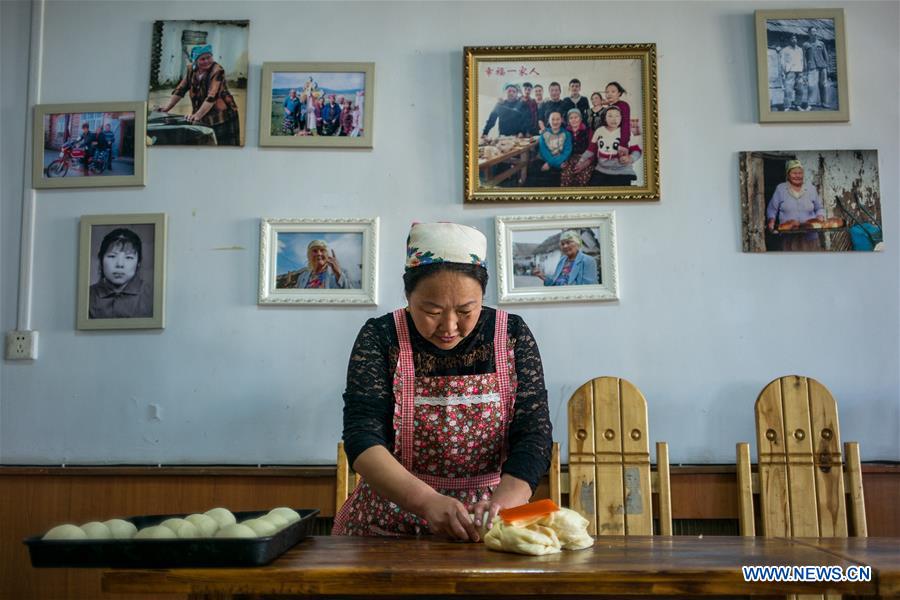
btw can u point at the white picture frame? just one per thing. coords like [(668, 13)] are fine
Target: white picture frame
[(529, 244), (352, 242)]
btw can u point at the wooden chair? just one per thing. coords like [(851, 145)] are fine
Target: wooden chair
[(345, 479), (609, 479), (802, 479)]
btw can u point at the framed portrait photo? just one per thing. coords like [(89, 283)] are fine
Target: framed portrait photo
[(198, 83), (318, 261), (557, 258), (89, 145), (810, 201), (122, 272), (801, 61), (317, 104), (560, 123)]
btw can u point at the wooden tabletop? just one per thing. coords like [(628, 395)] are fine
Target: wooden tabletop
[(615, 566), (881, 553)]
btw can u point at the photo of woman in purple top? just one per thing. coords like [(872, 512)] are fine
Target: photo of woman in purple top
[(793, 204)]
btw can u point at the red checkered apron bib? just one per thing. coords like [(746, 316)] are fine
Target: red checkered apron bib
[(450, 432)]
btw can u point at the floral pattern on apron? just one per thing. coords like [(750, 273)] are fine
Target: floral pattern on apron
[(450, 432)]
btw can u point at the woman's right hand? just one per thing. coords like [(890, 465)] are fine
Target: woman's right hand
[(448, 517)]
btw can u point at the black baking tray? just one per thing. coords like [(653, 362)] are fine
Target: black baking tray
[(196, 552)]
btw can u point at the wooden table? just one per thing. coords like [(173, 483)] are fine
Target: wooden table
[(615, 566), (518, 159)]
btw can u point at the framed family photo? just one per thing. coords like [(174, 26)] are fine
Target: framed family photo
[(560, 123), (89, 145), (198, 83), (122, 272), (802, 65), (318, 261), (317, 104), (557, 258), (810, 201)]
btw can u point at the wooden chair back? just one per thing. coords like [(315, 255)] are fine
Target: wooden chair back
[(345, 479), (609, 479), (802, 474)]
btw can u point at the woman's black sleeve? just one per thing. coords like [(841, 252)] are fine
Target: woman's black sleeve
[(530, 433), (368, 400)]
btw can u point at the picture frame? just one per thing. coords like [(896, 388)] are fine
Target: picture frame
[(116, 132), (197, 89), (539, 260), (300, 258), (801, 60), (810, 201), (300, 84), (504, 159), (122, 271)]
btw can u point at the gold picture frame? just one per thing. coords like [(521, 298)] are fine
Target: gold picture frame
[(801, 60), (506, 164)]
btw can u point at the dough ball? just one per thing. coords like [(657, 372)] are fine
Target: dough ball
[(236, 530), (262, 527), (156, 532), (277, 520), (205, 524), (181, 528), (121, 529), (570, 528), (222, 516), (534, 539), (96, 530), (65, 532), (288, 513)]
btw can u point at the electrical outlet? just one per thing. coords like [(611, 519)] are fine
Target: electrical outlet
[(21, 345)]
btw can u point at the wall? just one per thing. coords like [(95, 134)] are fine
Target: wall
[(701, 327)]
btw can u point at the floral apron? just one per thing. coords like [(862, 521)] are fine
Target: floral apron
[(450, 432)]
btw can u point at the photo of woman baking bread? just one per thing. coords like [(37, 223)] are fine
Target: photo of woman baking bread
[(464, 439)]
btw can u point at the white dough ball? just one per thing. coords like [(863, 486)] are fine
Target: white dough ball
[(261, 527), (222, 516), (275, 519), (288, 513), (181, 528), (121, 529), (65, 532), (236, 530), (96, 530), (205, 524), (156, 532)]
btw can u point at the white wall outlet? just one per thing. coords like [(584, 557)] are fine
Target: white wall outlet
[(21, 345)]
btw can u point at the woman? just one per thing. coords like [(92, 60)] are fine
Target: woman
[(554, 143), (120, 293), (445, 411), (792, 205), (614, 93), (574, 266), (615, 159), (581, 139), (595, 112), (291, 120), (212, 103), (322, 271)]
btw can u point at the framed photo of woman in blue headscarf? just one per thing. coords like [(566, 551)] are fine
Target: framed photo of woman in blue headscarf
[(557, 258)]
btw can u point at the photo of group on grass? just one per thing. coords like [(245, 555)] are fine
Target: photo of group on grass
[(317, 104)]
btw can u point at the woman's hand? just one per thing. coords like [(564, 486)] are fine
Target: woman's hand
[(448, 517), (625, 159), (770, 225), (511, 492), (334, 265), (537, 272), (546, 167)]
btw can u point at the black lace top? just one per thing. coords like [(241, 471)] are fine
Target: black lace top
[(369, 400)]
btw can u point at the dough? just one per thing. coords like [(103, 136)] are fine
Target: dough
[(570, 528), (222, 516), (288, 513), (236, 530), (65, 532), (275, 519), (262, 527), (533, 539), (121, 529), (96, 530), (182, 528), (205, 524), (156, 532)]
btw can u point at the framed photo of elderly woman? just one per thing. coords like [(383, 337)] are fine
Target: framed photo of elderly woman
[(321, 105), (318, 261), (122, 272), (557, 258), (810, 201), (89, 145), (198, 83), (560, 123), (801, 65)]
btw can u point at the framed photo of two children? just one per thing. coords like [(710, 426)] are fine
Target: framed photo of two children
[(560, 123)]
